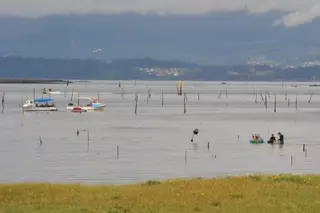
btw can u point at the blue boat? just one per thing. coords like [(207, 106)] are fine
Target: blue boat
[(42, 100)]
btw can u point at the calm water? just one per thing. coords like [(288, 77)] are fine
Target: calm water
[(152, 144)]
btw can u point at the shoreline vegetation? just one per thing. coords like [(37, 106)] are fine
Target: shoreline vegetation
[(245, 194), (31, 81)]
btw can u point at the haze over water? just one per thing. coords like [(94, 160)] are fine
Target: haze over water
[(152, 144)]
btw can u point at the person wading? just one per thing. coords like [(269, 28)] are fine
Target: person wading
[(281, 140)]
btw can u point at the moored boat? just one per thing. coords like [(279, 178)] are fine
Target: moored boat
[(94, 104), (39, 104)]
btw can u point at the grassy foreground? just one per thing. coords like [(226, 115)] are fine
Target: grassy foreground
[(252, 193)]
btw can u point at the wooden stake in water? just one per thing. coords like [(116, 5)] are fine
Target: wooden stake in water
[(72, 94), (303, 147), (99, 95), (208, 145), (88, 142), (288, 102), (149, 92), (78, 99), (219, 94), (255, 100), (40, 140), (296, 102), (261, 97), (21, 104), (291, 160), (136, 105), (162, 97), (227, 94), (310, 98), (275, 102), (185, 157), (198, 96), (266, 102), (122, 92), (117, 151), (286, 96), (184, 104), (2, 101)]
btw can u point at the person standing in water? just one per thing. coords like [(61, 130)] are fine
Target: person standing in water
[(272, 139), (281, 140)]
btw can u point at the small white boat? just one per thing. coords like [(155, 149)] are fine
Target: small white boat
[(55, 93), (94, 104), (39, 104), (49, 91)]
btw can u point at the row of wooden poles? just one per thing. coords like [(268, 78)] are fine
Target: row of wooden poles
[(185, 153), (267, 95), (264, 99), (179, 92)]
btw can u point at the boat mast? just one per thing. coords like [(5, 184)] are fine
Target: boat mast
[(78, 99), (34, 94)]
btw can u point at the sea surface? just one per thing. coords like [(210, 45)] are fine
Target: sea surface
[(155, 142)]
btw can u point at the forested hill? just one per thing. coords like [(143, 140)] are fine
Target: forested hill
[(146, 69)]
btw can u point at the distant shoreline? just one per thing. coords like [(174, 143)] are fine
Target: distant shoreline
[(31, 81)]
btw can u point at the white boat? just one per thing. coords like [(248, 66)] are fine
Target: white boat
[(55, 93), (39, 104), (94, 104), (49, 91)]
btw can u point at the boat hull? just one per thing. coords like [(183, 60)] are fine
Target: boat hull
[(39, 109), (78, 111), (55, 93), (257, 141), (87, 108)]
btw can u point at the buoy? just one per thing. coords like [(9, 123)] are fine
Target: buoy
[(195, 132)]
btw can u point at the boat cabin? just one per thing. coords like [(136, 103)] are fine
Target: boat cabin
[(94, 102), (43, 102)]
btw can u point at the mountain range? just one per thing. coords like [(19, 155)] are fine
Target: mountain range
[(147, 69), (218, 38)]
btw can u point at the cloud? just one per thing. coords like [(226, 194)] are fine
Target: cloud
[(300, 11), (299, 17)]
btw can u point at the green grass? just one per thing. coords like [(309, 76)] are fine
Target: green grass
[(252, 193)]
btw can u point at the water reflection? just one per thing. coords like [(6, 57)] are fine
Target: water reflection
[(195, 146)]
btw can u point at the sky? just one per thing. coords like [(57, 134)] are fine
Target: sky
[(299, 11)]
